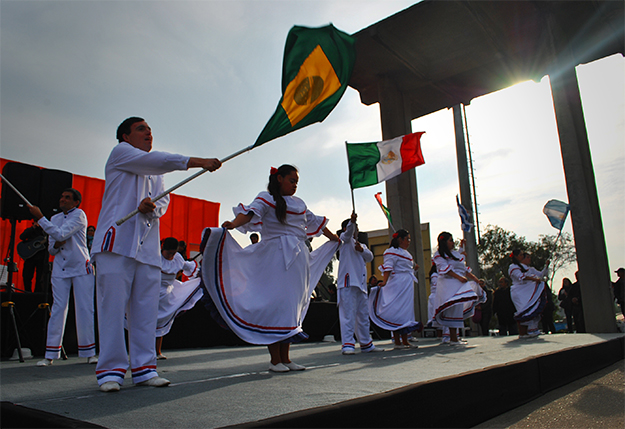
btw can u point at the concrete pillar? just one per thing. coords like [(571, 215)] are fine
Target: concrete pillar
[(465, 190), (401, 191), (592, 259)]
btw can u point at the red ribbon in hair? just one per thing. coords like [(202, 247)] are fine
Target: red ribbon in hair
[(512, 255), (395, 235), (273, 171)]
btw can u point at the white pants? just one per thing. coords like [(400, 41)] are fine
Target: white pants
[(354, 317), (83, 303), (126, 288)]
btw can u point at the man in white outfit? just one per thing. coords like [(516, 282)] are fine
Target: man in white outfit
[(352, 290), (67, 242), (128, 255)]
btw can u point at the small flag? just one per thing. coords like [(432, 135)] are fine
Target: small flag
[(556, 212), (385, 210), (317, 65), (465, 219), (371, 163)]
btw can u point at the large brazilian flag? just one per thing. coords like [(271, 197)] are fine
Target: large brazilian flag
[(317, 65)]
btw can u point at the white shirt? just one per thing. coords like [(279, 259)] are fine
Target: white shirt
[(72, 258), (169, 269), (300, 223), (132, 175), (352, 268)]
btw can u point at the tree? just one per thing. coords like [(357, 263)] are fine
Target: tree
[(496, 244)]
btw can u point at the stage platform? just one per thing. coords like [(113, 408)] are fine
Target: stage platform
[(230, 386)]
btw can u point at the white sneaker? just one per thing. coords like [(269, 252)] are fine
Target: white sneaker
[(279, 367), (292, 366), (155, 382), (348, 351), (458, 343), (110, 386), (45, 362), (92, 359)]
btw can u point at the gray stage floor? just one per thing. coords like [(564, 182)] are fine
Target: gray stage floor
[(223, 386)]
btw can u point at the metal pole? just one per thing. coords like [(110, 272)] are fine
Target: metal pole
[(477, 219)]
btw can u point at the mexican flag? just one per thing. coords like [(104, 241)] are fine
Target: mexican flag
[(371, 163), (317, 65)]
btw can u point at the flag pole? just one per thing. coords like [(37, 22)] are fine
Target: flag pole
[(16, 191), (185, 181), (350, 181)]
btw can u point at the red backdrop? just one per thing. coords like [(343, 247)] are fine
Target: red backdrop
[(185, 219)]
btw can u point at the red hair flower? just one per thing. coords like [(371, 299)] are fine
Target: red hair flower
[(395, 235), (273, 171)]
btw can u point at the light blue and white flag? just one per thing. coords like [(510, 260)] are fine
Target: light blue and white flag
[(465, 219), (556, 212)]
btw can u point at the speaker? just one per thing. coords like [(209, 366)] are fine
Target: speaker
[(53, 183), (26, 179)]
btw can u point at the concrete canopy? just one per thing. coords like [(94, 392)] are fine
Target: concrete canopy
[(442, 53)]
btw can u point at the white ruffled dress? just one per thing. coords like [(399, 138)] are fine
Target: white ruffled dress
[(391, 307), (455, 300), (528, 296), (263, 291)]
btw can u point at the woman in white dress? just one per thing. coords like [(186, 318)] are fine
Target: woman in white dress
[(391, 302), (262, 291), (457, 291), (175, 297), (527, 292)]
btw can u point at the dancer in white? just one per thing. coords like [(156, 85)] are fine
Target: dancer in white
[(441, 331), (391, 303), (352, 290), (263, 291), (527, 292), (67, 242), (457, 291), (127, 255), (175, 296)]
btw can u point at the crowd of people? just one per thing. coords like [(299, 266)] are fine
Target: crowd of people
[(262, 291)]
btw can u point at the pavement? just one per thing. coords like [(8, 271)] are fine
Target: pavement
[(231, 386), (594, 401)]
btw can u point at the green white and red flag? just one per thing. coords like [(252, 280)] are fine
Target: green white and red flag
[(372, 163)]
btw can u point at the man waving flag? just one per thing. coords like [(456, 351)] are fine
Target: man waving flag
[(317, 65)]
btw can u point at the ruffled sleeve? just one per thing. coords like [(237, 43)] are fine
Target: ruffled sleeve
[(516, 274), (315, 224), (442, 265), (258, 208), (388, 264)]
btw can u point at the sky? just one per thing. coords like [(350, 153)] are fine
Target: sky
[(206, 75)]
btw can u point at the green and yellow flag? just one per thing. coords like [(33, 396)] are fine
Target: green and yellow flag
[(317, 65)]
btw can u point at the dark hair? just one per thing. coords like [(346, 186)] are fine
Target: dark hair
[(505, 280), (514, 255), (124, 127), (170, 243), (443, 248), (432, 270), (274, 189), (75, 194), (401, 233)]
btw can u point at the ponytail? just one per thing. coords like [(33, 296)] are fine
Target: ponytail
[(402, 233), (274, 189), (514, 255), (443, 248)]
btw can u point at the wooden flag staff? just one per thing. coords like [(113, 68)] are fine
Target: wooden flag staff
[(185, 181)]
